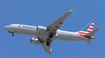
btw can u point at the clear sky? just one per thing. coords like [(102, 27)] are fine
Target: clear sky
[(45, 12)]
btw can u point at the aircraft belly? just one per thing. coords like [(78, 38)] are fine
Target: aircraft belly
[(64, 37), (30, 32), (68, 37)]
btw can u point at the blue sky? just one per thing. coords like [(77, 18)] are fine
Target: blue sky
[(45, 12)]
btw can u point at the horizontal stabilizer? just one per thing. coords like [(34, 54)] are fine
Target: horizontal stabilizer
[(92, 33), (88, 41)]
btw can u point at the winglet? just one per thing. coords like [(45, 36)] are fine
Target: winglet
[(71, 10)]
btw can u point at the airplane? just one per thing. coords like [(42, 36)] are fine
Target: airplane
[(45, 35)]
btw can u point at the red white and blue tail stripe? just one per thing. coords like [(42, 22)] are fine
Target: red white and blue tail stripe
[(87, 29), (88, 32), (90, 29)]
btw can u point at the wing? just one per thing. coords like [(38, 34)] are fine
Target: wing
[(53, 28), (56, 25), (46, 47)]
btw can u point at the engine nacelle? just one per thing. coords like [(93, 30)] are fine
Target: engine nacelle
[(92, 37), (35, 41), (41, 29)]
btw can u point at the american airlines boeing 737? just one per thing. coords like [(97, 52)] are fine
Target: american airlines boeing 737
[(45, 35)]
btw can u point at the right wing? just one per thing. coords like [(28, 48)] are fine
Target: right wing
[(57, 24), (53, 28)]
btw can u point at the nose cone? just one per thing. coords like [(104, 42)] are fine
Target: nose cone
[(6, 27)]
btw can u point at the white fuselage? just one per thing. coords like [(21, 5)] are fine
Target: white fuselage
[(33, 30)]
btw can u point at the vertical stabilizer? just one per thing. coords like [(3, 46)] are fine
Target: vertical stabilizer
[(89, 28)]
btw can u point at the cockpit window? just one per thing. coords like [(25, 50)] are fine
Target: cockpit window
[(10, 24)]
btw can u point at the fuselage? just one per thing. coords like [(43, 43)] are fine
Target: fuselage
[(33, 31), (45, 35)]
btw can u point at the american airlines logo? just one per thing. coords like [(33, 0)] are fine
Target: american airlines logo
[(27, 26)]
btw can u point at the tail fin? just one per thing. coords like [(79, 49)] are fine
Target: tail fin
[(89, 35), (89, 27)]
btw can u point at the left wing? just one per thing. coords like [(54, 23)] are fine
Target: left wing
[(56, 25), (46, 47)]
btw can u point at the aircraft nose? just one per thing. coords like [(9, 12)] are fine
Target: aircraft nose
[(6, 27)]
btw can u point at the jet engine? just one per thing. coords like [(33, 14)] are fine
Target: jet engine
[(41, 29), (35, 41)]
